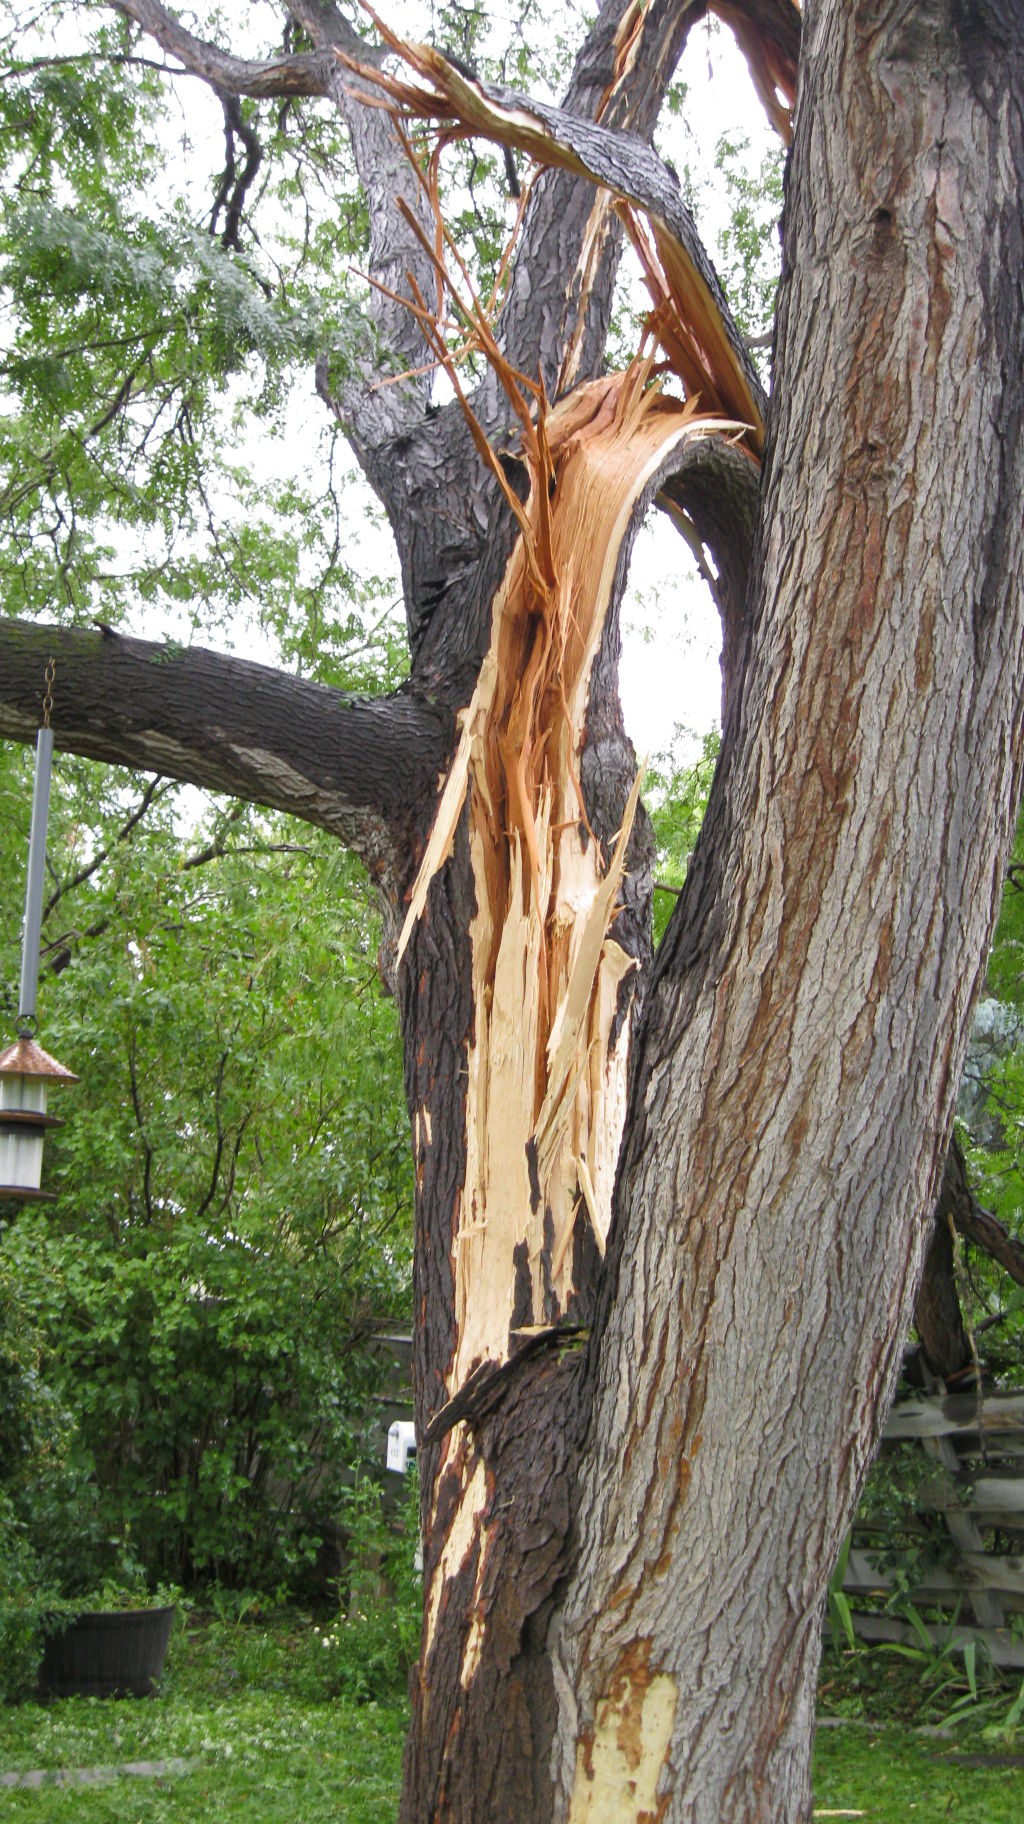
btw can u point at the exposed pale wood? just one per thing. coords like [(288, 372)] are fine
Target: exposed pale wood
[(665, 1518), (544, 1080)]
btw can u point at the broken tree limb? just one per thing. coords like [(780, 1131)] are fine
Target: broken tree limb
[(692, 317)]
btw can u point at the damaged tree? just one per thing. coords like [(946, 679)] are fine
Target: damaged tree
[(647, 1397)]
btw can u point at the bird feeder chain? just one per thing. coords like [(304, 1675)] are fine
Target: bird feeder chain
[(48, 698)]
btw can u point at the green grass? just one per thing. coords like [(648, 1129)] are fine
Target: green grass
[(891, 1776), (252, 1703)]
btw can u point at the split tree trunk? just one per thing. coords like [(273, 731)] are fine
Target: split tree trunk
[(637, 1470), (627, 1558)]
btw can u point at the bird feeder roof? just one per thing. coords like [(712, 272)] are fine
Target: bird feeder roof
[(27, 1059)]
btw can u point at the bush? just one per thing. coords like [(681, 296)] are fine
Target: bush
[(216, 1393), (233, 1183), (26, 1602), (371, 1647)]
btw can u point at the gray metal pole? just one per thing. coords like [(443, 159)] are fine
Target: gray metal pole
[(36, 875)]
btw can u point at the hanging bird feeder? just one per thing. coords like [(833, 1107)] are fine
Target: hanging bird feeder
[(25, 1068)]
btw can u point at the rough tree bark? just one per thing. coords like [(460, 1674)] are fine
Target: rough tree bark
[(644, 1423)]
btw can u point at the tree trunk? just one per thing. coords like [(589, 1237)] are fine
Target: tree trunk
[(628, 1547), (938, 1318), (806, 1028), (644, 1420)]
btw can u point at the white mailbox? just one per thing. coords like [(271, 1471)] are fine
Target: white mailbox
[(401, 1445)]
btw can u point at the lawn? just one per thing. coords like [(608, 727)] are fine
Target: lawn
[(889, 1774), (248, 1707)]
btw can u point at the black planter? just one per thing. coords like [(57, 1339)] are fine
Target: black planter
[(109, 1653)]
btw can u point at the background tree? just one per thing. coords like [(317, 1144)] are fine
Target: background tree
[(627, 1541), (234, 1196)]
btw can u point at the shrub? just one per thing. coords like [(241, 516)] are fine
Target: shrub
[(370, 1648)]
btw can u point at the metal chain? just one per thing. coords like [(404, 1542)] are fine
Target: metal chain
[(48, 699)]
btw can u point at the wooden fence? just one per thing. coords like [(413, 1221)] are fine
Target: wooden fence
[(969, 1523)]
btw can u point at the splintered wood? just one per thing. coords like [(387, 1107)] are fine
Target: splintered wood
[(547, 1058), (690, 318), (545, 1099)]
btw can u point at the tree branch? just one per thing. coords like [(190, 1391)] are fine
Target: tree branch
[(374, 414), (382, 169), (303, 73), (972, 1221), (356, 766), (620, 172), (717, 491), (622, 80), (91, 867)]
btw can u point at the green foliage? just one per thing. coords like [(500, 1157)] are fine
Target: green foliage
[(244, 1706), (994, 1150), (839, 1614), (233, 1182), (148, 355), (373, 1644), (748, 245), (676, 798), (899, 1519)]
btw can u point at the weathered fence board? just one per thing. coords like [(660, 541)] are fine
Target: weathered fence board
[(1004, 1649), (958, 1415), (972, 1572), (967, 1437)]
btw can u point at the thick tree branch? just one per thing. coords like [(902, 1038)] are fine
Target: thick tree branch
[(559, 310), (621, 79), (356, 766), (303, 73), (422, 492), (938, 1318), (768, 34), (972, 1221)]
